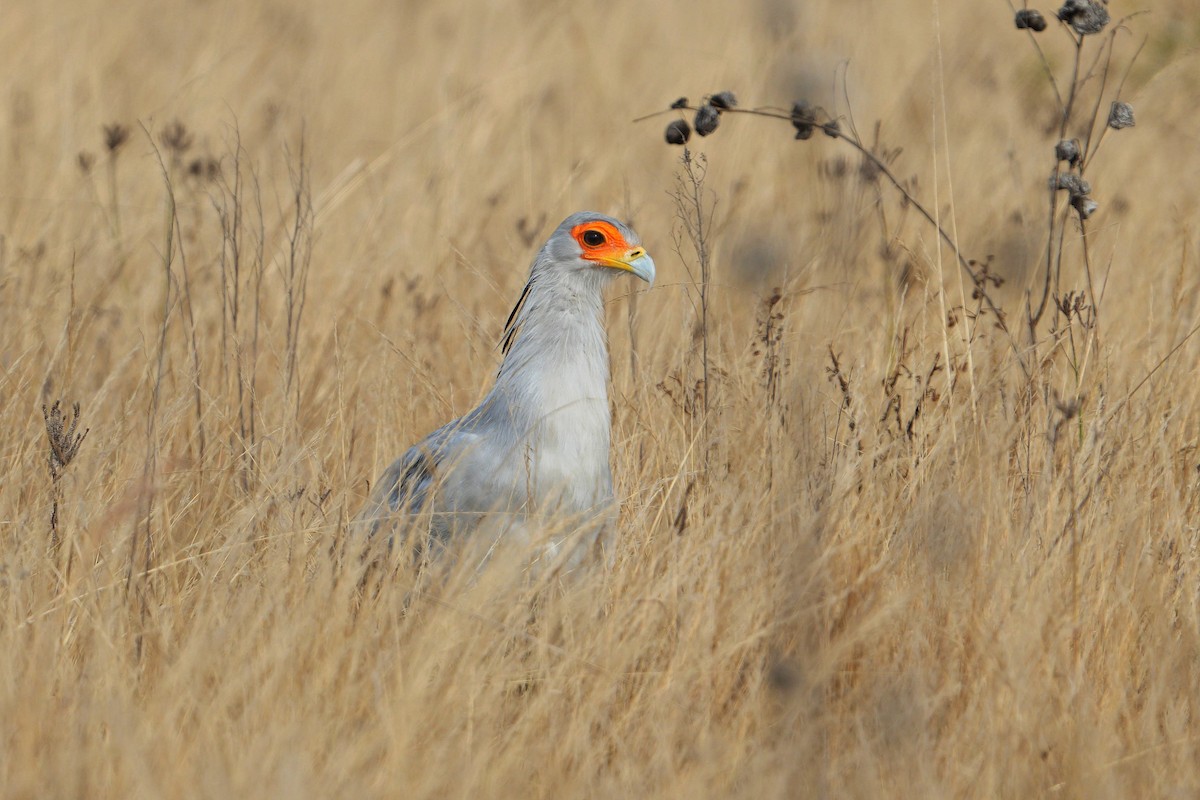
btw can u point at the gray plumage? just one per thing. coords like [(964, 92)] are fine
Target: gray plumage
[(531, 462)]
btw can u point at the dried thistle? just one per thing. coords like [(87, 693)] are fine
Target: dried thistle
[(1085, 205), (723, 101), (1085, 17), (115, 135), (1028, 18), (1071, 183), (1068, 150), (707, 119), (206, 168), (1078, 189), (1120, 115), (176, 138), (804, 118), (678, 132)]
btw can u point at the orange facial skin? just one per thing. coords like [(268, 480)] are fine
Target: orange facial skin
[(613, 252)]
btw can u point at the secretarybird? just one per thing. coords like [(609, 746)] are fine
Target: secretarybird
[(530, 464)]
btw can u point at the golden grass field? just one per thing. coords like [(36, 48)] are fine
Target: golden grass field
[(886, 581)]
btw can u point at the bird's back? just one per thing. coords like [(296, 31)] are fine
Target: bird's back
[(403, 489), (512, 466)]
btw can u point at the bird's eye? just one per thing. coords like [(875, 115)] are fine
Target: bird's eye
[(593, 238)]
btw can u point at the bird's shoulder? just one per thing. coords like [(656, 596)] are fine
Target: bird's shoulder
[(404, 486), (414, 471)]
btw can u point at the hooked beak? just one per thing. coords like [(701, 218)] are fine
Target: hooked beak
[(636, 261)]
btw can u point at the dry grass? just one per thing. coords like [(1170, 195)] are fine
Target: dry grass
[(996, 596)]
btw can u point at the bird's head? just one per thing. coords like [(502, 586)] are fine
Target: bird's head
[(588, 242)]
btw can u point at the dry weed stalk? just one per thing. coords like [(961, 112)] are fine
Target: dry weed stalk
[(768, 348), (115, 136), (177, 139), (1081, 22), (64, 442), (807, 119), (1075, 320), (141, 539), (237, 200), (694, 215), (296, 268)]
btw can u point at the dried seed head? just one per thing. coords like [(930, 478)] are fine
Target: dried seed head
[(1084, 16), (678, 132), (723, 101), (1031, 19), (1068, 150), (175, 137), (86, 160), (680, 103), (707, 120), (832, 129), (1085, 205), (804, 117), (1120, 115), (63, 438), (1071, 183), (207, 168), (115, 135)]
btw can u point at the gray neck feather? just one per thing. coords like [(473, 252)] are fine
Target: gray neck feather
[(558, 339)]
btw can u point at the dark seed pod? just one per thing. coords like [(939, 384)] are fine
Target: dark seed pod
[(723, 101), (176, 137), (831, 128), (1120, 115), (1085, 205), (804, 117), (707, 120), (1031, 19), (1068, 150), (115, 135), (678, 132), (680, 103), (1072, 184), (1084, 16), (207, 168)]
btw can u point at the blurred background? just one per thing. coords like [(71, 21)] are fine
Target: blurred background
[(445, 140), (440, 127)]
